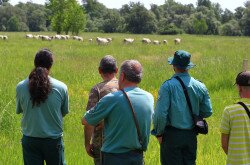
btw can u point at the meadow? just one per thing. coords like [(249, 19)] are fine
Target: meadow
[(218, 61)]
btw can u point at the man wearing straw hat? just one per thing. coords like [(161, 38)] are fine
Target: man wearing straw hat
[(173, 123), (235, 125)]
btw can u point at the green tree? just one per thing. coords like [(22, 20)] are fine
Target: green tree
[(57, 16), (75, 19), (216, 7), (200, 26), (227, 15), (239, 12), (231, 28), (245, 21), (113, 22), (206, 3), (12, 24), (140, 20)]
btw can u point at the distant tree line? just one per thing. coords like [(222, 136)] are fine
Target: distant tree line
[(64, 16)]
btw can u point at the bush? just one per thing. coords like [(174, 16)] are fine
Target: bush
[(170, 29)]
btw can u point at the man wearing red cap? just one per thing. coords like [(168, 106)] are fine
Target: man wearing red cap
[(235, 125), (173, 123)]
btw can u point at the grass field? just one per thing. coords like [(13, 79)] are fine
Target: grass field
[(218, 61)]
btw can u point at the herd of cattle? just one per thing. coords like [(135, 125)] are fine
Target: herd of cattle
[(99, 40)]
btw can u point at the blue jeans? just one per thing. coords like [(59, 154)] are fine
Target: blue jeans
[(127, 158), (38, 150)]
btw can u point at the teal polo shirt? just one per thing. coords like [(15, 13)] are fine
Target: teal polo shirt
[(120, 133), (171, 107), (45, 120)]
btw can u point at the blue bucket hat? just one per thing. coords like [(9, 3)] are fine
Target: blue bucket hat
[(181, 60)]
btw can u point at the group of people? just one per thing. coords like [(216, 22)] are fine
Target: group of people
[(119, 114)]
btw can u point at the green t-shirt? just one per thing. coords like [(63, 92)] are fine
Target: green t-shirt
[(236, 123), (45, 120), (120, 133)]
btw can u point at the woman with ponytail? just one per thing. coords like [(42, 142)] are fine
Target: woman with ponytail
[(43, 102)]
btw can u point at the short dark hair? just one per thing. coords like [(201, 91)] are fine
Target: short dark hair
[(108, 64), (243, 78), (132, 70)]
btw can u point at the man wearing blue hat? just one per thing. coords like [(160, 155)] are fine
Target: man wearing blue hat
[(173, 123)]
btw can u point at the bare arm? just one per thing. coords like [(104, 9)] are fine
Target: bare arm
[(88, 131), (224, 142)]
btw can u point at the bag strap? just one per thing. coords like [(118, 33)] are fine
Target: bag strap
[(245, 107), (134, 117), (186, 96)]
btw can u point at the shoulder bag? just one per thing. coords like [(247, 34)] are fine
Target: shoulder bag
[(200, 125)]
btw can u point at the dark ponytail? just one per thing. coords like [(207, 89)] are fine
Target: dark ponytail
[(39, 84)]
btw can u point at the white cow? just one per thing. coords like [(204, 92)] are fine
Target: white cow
[(80, 39), (36, 36), (156, 42), (46, 38), (101, 41), (90, 40), (177, 41), (109, 39), (146, 40), (77, 38), (165, 42), (5, 37), (29, 36), (128, 40)]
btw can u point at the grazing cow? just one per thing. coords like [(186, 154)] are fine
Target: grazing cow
[(101, 41), (109, 39), (67, 36), (156, 42), (36, 36), (146, 40), (77, 38), (90, 40), (5, 37), (165, 42), (57, 37), (177, 41), (29, 36), (128, 40), (46, 38), (80, 39), (63, 37)]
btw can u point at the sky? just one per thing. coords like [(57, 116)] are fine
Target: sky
[(229, 4)]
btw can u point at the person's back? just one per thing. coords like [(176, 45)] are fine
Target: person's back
[(43, 102), (120, 118), (45, 120), (179, 111), (235, 125), (173, 119), (107, 70), (121, 133)]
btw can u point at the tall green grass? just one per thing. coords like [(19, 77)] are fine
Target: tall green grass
[(218, 61)]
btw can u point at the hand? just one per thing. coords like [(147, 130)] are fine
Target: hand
[(89, 149), (159, 139)]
